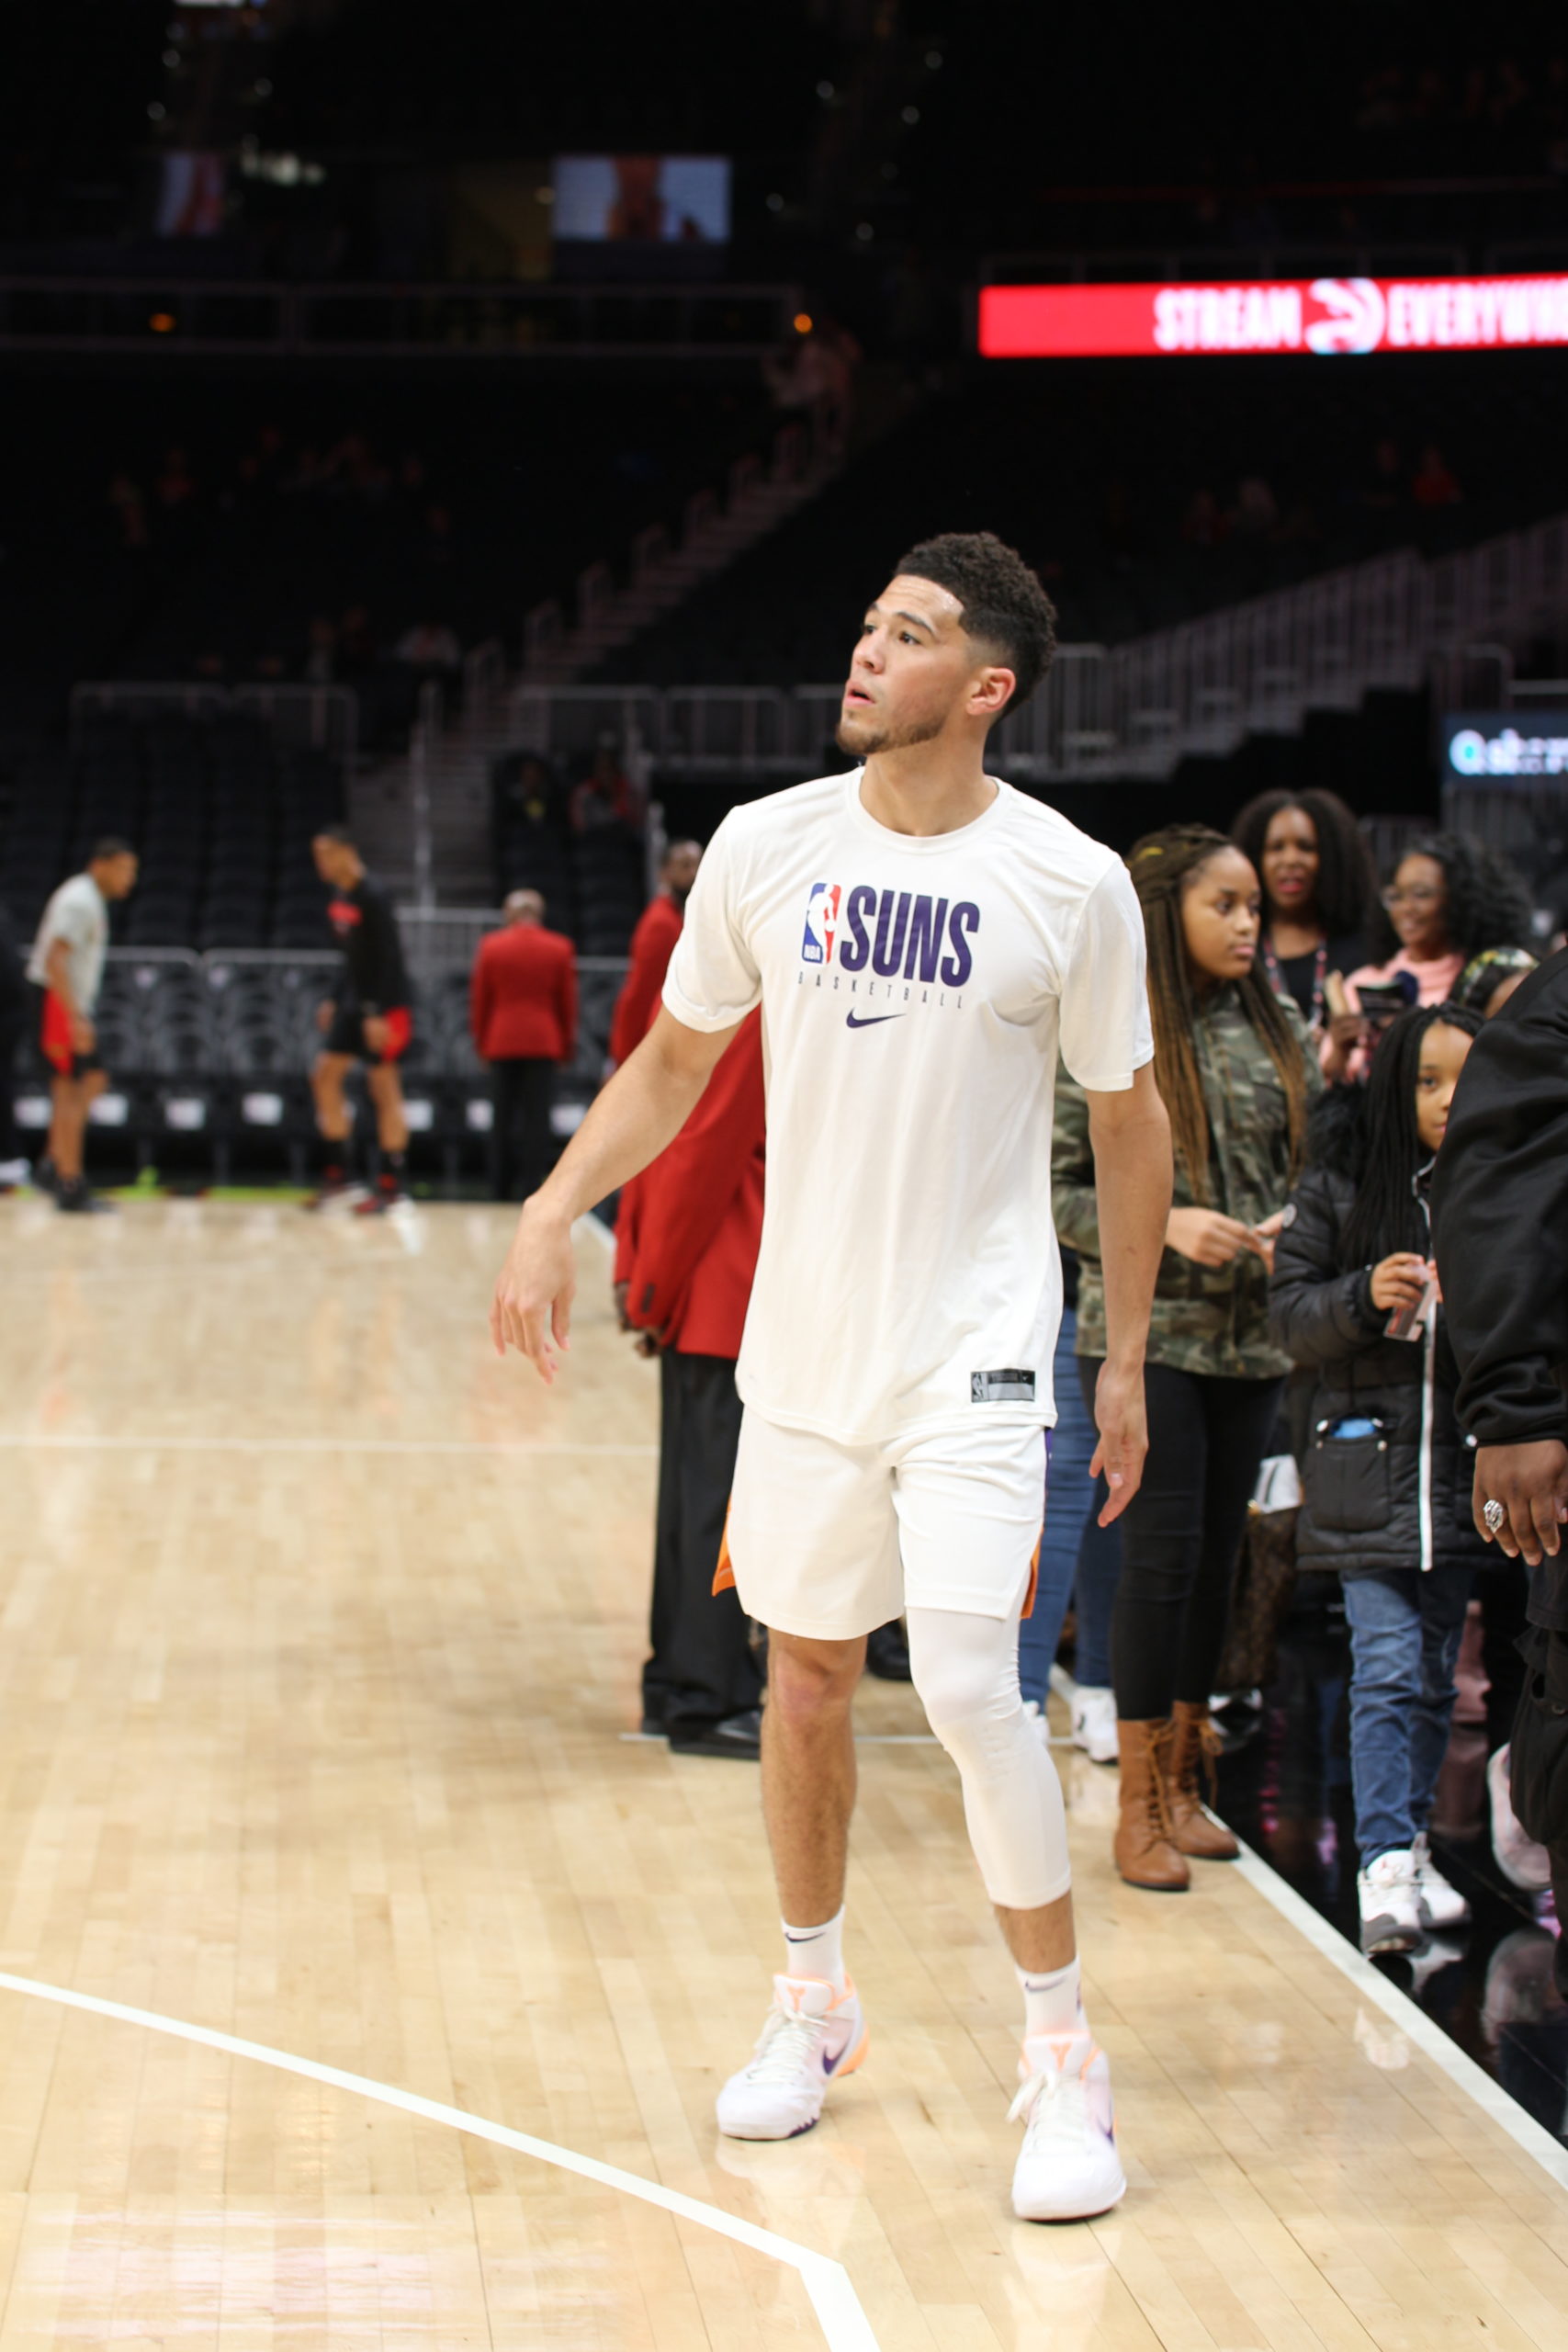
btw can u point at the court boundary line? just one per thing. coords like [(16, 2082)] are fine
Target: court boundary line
[(840, 2313), (1461, 2069)]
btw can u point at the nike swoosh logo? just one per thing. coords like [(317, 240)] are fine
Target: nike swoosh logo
[(855, 1021)]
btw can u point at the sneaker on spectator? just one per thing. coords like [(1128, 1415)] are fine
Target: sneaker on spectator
[(1442, 1906), (1390, 1902), (1522, 1863), (1094, 1723)]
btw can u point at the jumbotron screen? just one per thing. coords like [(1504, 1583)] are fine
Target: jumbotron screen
[(641, 200), (1328, 317)]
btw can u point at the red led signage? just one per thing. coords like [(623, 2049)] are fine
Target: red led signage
[(1325, 315)]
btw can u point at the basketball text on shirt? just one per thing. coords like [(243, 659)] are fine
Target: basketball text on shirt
[(896, 933)]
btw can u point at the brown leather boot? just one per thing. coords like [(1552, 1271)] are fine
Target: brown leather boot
[(1190, 1765), (1144, 1851)]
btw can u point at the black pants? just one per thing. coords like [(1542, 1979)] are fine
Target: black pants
[(521, 1141), (14, 1015), (702, 1669), (1503, 1591), (1181, 1532)]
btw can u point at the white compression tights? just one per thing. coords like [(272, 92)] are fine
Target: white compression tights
[(965, 1669)]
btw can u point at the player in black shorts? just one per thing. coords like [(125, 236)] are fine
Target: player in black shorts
[(368, 1021)]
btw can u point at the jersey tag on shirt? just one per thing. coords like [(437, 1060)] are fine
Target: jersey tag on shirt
[(1001, 1388)]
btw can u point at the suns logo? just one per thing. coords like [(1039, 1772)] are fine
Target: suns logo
[(821, 923)]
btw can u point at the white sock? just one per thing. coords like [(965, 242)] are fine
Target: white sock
[(818, 1952), (1053, 2001)]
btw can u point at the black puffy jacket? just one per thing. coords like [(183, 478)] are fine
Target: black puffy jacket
[(1401, 1497)]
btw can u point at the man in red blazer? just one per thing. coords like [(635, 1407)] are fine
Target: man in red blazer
[(522, 1011), (653, 944), (687, 1236)]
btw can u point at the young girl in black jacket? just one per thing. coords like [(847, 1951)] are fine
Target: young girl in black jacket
[(1387, 1473)]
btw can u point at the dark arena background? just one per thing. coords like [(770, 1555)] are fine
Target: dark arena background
[(470, 436)]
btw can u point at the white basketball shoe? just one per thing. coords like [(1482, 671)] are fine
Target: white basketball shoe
[(1068, 2169), (810, 2037)]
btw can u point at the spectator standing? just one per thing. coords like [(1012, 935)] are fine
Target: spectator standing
[(1235, 1071), (1075, 1555), (1386, 1473), (1319, 893), (522, 1011), (606, 795), (687, 1237), (14, 1166), (652, 945), (1449, 898), (1500, 1223), (67, 964)]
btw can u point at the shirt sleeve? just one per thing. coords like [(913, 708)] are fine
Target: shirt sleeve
[(1500, 1218), (1105, 1032), (713, 981), (74, 921)]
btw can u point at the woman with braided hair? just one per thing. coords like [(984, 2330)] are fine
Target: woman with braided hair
[(1235, 1069)]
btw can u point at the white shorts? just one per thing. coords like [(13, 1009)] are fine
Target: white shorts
[(830, 1540)]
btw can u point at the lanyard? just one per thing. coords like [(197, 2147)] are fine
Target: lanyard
[(1315, 1021)]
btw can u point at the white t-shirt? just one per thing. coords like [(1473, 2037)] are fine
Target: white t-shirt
[(78, 914), (915, 993)]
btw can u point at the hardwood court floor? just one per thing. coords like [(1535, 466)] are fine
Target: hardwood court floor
[(319, 1634)]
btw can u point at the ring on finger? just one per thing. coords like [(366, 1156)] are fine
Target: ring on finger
[(1494, 1515)]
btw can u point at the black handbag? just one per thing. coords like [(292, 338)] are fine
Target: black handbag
[(1537, 1757)]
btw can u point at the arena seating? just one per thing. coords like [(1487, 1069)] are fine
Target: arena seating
[(220, 811), (209, 1057), (1131, 505)]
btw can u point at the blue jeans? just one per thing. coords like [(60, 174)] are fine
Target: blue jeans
[(1071, 1548), (1405, 1636)]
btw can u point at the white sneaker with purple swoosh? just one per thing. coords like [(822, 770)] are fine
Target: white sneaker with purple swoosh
[(1069, 2170), (810, 2037)]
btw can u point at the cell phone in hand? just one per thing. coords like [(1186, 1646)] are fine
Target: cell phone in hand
[(1409, 1321), (1381, 1001)]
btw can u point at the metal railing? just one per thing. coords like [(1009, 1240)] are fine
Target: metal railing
[(1128, 711), (509, 321), (320, 718)]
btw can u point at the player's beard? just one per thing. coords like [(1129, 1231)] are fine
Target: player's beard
[(863, 744)]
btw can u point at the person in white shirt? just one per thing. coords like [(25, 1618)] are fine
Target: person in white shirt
[(67, 964), (921, 940)]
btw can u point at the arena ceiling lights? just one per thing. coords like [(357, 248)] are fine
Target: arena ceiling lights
[(1327, 316)]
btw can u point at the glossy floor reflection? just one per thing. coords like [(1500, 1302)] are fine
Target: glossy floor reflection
[(1286, 1788), (317, 1697)]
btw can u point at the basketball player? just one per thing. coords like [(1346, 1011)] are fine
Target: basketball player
[(368, 1021), (67, 964), (921, 938)]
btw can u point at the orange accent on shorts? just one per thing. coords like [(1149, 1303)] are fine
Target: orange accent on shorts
[(54, 1036), (1028, 1610)]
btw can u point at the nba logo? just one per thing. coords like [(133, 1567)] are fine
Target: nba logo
[(821, 922)]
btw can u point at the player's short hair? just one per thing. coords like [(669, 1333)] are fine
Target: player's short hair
[(110, 846), (339, 833), (1005, 608)]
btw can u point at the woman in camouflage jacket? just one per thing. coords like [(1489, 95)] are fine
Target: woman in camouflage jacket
[(1236, 1068)]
